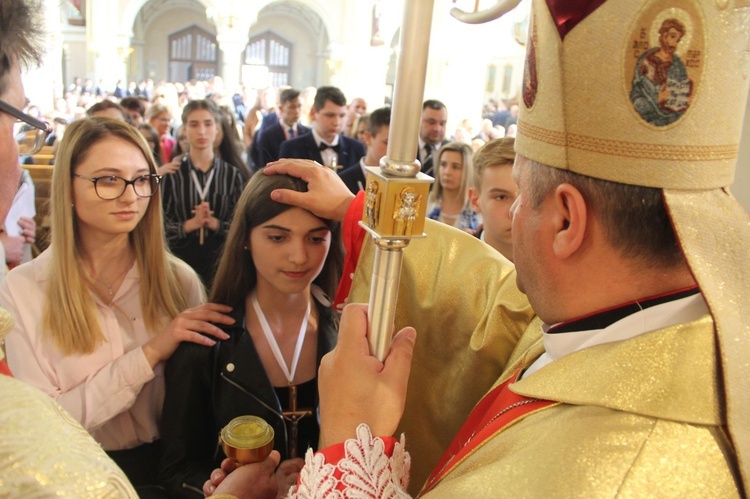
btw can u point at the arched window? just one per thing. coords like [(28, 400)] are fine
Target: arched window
[(192, 55), (267, 61)]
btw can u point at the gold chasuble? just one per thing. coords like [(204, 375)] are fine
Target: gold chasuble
[(466, 332), (44, 452), (622, 425)]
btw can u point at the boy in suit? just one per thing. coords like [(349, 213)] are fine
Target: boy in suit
[(288, 127), (326, 144)]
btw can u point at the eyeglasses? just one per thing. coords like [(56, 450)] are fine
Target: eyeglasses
[(28, 131), (111, 187)]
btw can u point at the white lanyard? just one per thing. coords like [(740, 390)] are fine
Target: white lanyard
[(275, 346), (202, 191)]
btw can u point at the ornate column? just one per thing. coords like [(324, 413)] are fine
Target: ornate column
[(108, 52), (232, 26)]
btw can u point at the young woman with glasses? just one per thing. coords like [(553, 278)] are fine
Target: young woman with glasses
[(100, 310)]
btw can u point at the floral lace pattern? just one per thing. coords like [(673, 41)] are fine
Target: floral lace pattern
[(366, 471)]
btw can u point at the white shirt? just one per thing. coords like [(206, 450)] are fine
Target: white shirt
[(363, 167), (558, 345), (422, 156), (112, 392), (287, 129), (3, 265), (330, 157)]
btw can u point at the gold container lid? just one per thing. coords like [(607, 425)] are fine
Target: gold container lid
[(247, 432)]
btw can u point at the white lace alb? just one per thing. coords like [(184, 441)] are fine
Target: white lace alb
[(366, 471)]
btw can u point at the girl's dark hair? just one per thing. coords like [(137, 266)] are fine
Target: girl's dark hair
[(229, 147), (156, 146), (236, 275)]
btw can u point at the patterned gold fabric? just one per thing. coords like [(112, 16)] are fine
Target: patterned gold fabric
[(461, 297), (715, 233), (6, 324), (584, 109), (609, 94), (44, 452), (640, 419)]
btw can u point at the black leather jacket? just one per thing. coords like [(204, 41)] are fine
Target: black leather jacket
[(208, 387)]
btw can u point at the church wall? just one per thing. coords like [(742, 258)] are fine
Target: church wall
[(75, 60), (305, 52), (364, 67), (156, 50), (459, 57)]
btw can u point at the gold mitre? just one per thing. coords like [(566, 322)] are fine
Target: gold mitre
[(652, 93), (597, 101)]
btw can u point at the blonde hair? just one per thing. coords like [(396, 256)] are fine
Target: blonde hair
[(466, 171), (498, 152), (156, 109), (69, 318)]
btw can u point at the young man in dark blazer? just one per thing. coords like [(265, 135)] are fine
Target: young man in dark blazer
[(288, 127), (326, 144), (376, 139)]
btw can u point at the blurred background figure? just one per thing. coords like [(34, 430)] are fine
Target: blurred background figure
[(152, 137), (358, 105), (136, 109), (183, 144), (432, 129), (359, 127), (375, 137), (159, 116), (228, 144), (349, 120), (288, 127), (449, 198), (200, 196), (108, 109), (18, 233)]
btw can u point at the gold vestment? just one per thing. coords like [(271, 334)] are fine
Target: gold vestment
[(640, 418), (465, 332), (44, 452)]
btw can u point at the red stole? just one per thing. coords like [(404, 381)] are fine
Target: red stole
[(5, 369), (499, 409)]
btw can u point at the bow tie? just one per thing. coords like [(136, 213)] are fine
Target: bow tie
[(323, 146)]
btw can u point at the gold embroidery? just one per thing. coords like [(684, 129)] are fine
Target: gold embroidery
[(630, 149)]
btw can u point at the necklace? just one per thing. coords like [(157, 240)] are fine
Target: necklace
[(110, 291), (288, 373)]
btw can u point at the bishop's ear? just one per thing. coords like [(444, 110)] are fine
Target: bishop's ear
[(570, 219)]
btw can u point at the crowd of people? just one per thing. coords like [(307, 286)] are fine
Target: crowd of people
[(170, 262), (196, 269), (244, 139)]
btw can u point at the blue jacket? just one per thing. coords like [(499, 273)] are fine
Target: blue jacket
[(269, 142)]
